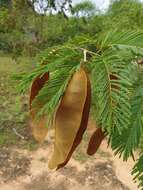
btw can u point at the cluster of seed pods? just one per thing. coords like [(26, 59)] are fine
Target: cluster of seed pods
[(70, 121)]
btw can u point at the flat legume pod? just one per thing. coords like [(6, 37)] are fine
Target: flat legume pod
[(39, 129), (71, 119), (95, 141)]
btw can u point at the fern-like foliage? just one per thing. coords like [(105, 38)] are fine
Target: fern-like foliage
[(111, 87), (117, 84), (61, 63), (127, 40), (129, 140), (138, 172)]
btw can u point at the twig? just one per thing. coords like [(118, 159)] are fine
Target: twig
[(16, 133), (85, 56), (87, 51), (82, 49)]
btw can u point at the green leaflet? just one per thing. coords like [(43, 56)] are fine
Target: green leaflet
[(128, 141), (111, 96)]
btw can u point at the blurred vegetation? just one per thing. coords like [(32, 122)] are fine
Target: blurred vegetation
[(13, 108), (27, 32)]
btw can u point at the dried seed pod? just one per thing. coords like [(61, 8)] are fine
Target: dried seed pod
[(38, 127), (37, 84), (71, 119), (95, 141), (114, 77), (140, 62)]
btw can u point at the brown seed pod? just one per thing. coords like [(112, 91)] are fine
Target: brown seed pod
[(95, 141), (114, 77), (37, 84), (71, 119), (39, 129), (140, 62)]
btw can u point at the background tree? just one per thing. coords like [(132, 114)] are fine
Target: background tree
[(83, 9), (126, 14)]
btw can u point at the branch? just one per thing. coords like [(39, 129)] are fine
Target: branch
[(16, 133)]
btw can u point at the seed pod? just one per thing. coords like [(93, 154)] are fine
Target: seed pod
[(95, 141), (140, 62), (71, 119), (38, 127), (114, 77)]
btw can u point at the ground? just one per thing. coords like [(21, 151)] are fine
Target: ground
[(24, 163)]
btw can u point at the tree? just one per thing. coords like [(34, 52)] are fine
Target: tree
[(42, 6), (6, 3), (85, 8), (48, 5), (111, 60), (31, 26), (126, 13)]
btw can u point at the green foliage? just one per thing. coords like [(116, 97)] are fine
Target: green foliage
[(119, 39), (85, 8), (5, 3), (126, 14), (39, 31), (13, 108), (111, 103), (128, 141), (117, 83), (138, 171)]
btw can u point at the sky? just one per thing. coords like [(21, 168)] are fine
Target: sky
[(101, 4)]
